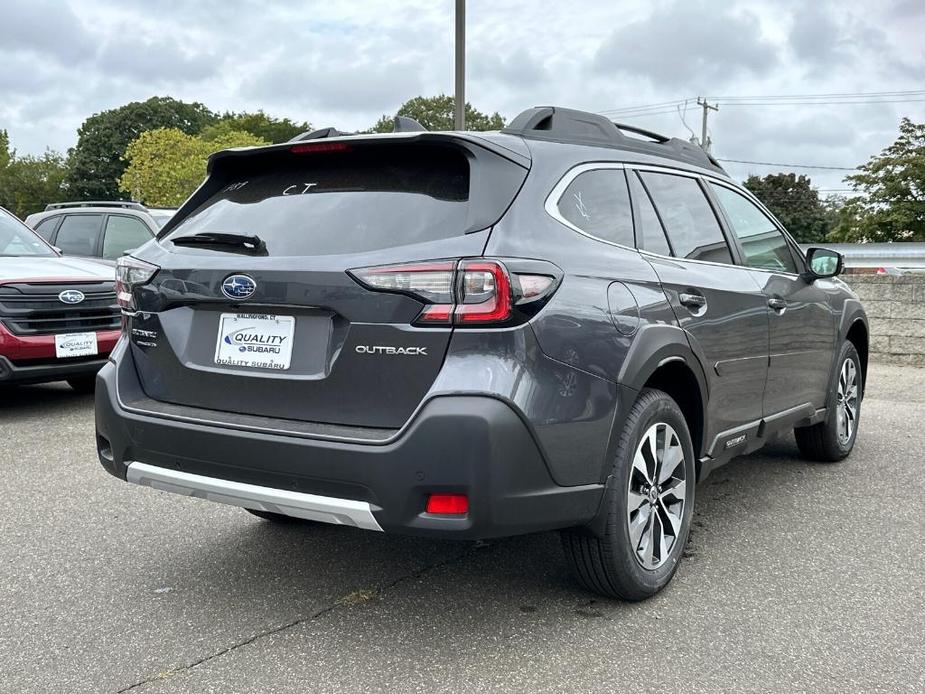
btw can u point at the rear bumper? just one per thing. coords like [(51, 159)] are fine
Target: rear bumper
[(32, 359), (473, 445), (325, 509)]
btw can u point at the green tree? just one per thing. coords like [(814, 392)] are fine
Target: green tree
[(259, 124), (436, 113), (28, 183), (96, 161), (4, 149), (795, 202), (891, 187), (164, 166)]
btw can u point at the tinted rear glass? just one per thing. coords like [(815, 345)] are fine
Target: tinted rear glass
[(344, 201)]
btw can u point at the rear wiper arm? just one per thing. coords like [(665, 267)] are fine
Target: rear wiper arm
[(254, 244)]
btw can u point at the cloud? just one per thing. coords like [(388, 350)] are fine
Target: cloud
[(815, 36), (337, 87), (519, 68), (153, 59), (689, 45), (346, 63), (46, 28)]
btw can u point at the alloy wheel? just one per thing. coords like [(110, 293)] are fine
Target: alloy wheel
[(847, 401), (656, 495)]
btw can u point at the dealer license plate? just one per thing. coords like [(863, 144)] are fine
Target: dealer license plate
[(75, 345), (255, 340)]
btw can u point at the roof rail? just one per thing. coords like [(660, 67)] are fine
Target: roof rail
[(124, 204), (558, 124), (403, 124), (319, 134)]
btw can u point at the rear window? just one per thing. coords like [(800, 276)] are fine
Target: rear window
[(354, 201)]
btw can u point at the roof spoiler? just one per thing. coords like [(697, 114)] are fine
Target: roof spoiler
[(559, 124)]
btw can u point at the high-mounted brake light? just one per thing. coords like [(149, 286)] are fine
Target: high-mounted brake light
[(131, 273), (319, 147), (476, 292)]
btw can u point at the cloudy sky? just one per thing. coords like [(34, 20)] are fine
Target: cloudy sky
[(344, 63)]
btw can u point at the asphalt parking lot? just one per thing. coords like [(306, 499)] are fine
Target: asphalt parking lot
[(799, 577)]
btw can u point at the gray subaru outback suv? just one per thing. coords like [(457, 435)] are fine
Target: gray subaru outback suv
[(564, 325)]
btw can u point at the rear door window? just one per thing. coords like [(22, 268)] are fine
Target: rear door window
[(763, 244), (46, 227), (79, 234), (649, 232), (341, 201), (122, 234), (689, 220), (597, 202)]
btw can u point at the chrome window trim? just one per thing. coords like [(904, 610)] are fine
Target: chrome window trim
[(695, 176), (551, 206)]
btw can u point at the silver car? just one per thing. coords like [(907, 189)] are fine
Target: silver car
[(98, 229)]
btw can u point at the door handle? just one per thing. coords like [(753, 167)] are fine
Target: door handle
[(692, 300), (777, 303)]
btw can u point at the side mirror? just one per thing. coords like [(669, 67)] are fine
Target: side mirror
[(823, 263)]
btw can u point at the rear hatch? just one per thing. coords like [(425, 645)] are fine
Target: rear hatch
[(280, 328)]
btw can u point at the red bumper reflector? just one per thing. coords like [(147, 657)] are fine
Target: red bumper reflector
[(448, 504)]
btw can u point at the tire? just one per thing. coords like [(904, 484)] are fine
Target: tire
[(280, 518), (83, 384), (827, 442), (613, 564)]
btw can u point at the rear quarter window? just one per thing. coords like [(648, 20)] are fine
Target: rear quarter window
[(597, 202)]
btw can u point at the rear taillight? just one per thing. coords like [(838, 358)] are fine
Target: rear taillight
[(131, 273), (461, 292), (484, 293)]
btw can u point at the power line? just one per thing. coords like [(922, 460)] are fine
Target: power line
[(822, 99), (631, 116), (834, 95), (819, 103), (790, 166), (644, 107)]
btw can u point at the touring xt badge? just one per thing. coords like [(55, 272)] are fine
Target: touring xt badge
[(379, 349)]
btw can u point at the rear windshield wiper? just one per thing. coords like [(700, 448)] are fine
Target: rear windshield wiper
[(241, 242)]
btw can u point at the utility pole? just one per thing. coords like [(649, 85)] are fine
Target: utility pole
[(460, 117), (707, 107)]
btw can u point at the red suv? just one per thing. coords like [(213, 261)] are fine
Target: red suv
[(59, 319)]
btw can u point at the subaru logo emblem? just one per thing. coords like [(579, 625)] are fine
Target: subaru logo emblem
[(71, 296), (238, 287)]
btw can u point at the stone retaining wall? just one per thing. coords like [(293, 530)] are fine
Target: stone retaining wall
[(895, 305)]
